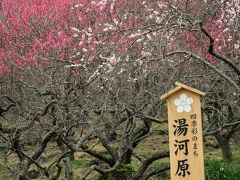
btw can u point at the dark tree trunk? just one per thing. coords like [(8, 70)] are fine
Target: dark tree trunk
[(68, 167), (126, 159), (67, 161), (23, 168), (223, 141)]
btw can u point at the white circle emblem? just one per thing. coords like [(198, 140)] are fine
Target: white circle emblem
[(183, 103)]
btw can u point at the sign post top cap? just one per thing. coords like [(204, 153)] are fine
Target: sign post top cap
[(181, 86)]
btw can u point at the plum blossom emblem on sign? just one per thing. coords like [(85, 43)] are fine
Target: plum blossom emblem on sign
[(183, 103)]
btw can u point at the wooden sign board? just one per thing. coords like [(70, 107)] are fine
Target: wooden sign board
[(185, 133)]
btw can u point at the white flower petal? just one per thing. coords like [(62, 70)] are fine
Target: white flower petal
[(187, 108), (180, 108), (189, 101), (183, 97), (177, 102)]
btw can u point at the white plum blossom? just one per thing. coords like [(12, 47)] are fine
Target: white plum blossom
[(90, 29), (84, 50), (236, 46), (78, 5), (75, 29), (103, 2), (149, 37), (183, 103)]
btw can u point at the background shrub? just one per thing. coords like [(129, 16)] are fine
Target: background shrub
[(217, 170)]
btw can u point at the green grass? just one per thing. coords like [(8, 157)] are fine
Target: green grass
[(77, 164), (215, 168), (218, 170), (4, 172)]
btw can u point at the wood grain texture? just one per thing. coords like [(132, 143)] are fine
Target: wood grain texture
[(193, 137)]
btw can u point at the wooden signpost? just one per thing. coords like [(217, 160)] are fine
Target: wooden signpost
[(185, 133)]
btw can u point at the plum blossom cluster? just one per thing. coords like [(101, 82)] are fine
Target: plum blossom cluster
[(37, 32)]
